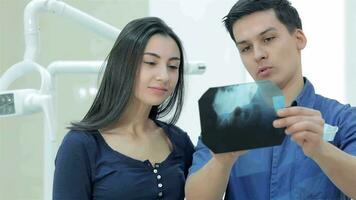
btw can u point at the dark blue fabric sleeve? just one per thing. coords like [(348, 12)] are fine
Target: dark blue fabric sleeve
[(189, 150), (72, 176), (184, 144)]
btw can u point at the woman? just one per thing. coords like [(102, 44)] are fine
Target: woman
[(120, 150)]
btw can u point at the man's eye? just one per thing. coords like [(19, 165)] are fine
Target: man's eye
[(245, 49), (268, 39)]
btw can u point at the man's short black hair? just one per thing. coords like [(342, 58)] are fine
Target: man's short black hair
[(283, 9)]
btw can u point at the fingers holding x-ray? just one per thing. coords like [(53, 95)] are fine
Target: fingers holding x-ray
[(304, 125)]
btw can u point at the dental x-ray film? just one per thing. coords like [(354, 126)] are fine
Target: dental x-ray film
[(239, 117)]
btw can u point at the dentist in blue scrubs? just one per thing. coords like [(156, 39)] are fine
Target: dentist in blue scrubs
[(311, 163)]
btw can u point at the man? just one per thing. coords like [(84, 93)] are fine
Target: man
[(269, 37)]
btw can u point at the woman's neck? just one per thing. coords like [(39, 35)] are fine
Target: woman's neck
[(134, 120)]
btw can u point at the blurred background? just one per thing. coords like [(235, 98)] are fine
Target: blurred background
[(328, 63)]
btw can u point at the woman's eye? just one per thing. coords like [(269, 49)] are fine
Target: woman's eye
[(150, 63), (173, 66)]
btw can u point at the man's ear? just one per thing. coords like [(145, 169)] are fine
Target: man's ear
[(300, 38)]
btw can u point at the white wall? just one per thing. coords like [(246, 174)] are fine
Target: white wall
[(199, 25), (350, 52), (324, 56)]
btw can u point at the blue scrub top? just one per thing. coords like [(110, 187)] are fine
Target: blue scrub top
[(284, 172), (87, 168)]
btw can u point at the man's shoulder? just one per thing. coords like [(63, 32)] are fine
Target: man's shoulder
[(318, 101), (329, 106)]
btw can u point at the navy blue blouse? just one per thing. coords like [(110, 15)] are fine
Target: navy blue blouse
[(87, 168)]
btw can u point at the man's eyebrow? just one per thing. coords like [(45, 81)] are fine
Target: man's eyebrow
[(267, 30), (241, 42), (262, 33)]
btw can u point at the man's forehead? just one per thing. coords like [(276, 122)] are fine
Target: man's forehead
[(241, 37), (256, 26)]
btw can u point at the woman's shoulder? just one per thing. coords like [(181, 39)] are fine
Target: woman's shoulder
[(80, 139), (172, 129), (80, 136)]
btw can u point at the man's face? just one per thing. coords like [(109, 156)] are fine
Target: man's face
[(267, 49)]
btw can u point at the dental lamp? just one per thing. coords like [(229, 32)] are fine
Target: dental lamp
[(27, 101)]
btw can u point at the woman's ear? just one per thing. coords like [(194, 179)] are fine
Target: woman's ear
[(300, 39)]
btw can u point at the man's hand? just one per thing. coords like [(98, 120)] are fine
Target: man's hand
[(229, 157), (305, 126)]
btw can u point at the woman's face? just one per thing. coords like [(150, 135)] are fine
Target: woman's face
[(158, 73)]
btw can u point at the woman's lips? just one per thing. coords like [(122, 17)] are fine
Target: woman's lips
[(158, 90)]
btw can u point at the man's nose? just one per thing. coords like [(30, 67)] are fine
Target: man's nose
[(260, 53)]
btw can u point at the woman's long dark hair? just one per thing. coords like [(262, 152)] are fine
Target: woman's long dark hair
[(118, 79)]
